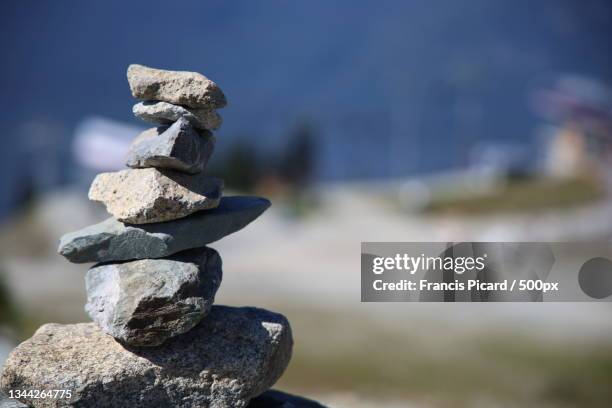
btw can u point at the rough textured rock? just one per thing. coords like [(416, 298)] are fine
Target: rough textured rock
[(177, 87), (112, 240), (178, 147), (233, 355), (164, 113), (142, 196), (278, 399), (145, 302)]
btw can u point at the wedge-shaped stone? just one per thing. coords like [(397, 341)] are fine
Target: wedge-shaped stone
[(164, 113), (145, 302), (112, 240), (178, 147), (142, 196), (177, 87), (233, 355)]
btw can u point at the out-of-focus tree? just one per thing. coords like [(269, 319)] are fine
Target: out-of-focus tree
[(296, 164), (240, 167), (8, 313)]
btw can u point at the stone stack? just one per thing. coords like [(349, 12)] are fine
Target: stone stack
[(157, 340)]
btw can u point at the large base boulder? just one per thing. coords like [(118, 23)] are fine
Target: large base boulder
[(234, 355)]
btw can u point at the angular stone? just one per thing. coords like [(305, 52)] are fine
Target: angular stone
[(112, 240), (178, 147), (145, 302), (177, 87), (278, 399), (142, 196), (164, 113), (233, 355)]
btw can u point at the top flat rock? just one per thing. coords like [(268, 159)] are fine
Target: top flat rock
[(112, 240), (178, 87)]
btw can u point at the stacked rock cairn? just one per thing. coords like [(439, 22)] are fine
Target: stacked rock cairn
[(157, 340)]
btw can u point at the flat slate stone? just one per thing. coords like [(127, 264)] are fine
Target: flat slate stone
[(142, 196), (112, 240), (178, 147), (279, 399), (164, 113), (146, 302), (177, 87), (233, 355)]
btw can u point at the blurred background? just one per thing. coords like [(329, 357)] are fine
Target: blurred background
[(361, 120)]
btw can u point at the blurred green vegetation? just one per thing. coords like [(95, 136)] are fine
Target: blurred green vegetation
[(284, 176), (245, 167), (9, 315), (523, 195), (241, 167)]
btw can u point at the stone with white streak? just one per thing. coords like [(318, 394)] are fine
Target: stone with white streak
[(164, 113)]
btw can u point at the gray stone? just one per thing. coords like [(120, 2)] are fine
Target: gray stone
[(178, 147), (145, 302), (112, 240), (278, 399), (164, 113), (142, 196), (6, 402), (177, 87), (233, 355)]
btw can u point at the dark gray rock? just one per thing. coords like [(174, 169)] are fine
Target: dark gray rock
[(112, 240), (164, 113), (145, 302), (178, 147), (233, 355), (177, 87), (278, 399)]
